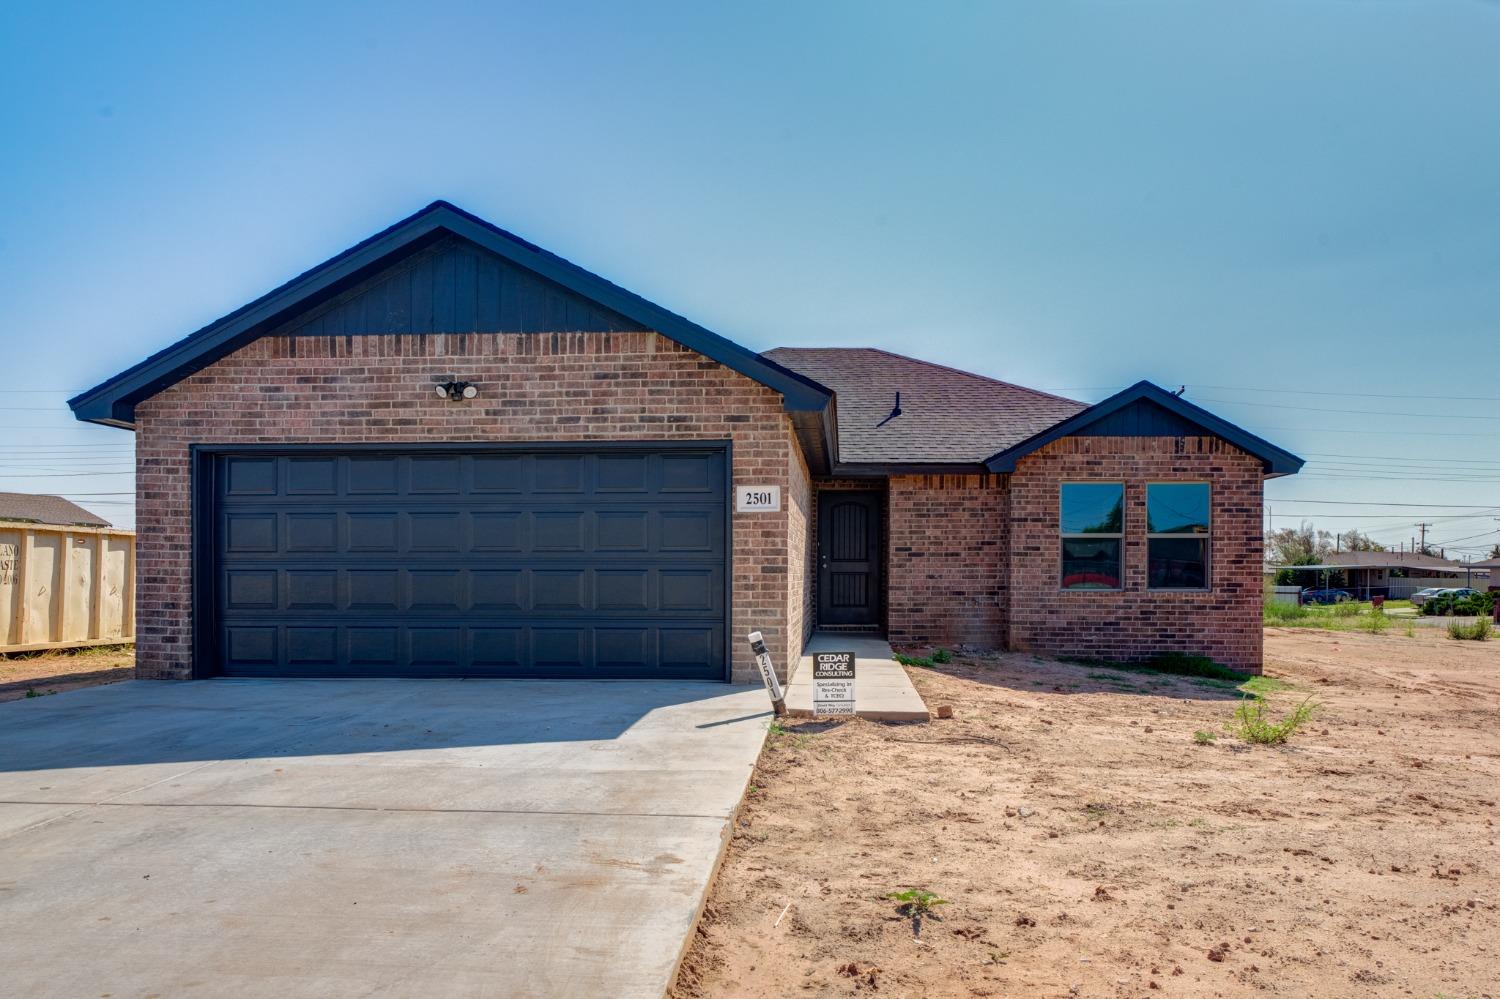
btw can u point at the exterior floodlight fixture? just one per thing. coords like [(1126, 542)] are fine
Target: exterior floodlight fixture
[(456, 391)]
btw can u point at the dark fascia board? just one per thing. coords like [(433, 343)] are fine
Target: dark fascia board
[(113, 402), (1275, 460), (884, 469)]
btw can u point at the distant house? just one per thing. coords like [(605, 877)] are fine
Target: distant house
[(1492, 566), (32, 508), (1390, 574)]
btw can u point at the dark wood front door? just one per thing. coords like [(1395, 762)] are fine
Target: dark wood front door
[(850, 583)]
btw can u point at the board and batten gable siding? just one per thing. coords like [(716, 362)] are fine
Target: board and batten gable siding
[(455, 286), (1222, 622), (534, 387)]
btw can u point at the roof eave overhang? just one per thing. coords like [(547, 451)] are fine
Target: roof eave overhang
[(1275, 461), (112, 403), (882, 469)]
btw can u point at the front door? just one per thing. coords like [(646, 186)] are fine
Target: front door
[(849, 558)]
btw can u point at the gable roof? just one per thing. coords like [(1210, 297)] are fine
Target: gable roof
[(950, 419), (113, 401), (1145, 409), (44, 509)]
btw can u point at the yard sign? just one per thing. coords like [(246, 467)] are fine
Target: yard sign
[(833, 683)]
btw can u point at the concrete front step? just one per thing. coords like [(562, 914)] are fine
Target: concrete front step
[(882, 690)]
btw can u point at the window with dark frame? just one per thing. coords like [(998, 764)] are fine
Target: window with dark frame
[(1092, 523), (1177, 530)]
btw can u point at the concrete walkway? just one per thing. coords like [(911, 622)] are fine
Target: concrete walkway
[(882, 690), (340, 838)]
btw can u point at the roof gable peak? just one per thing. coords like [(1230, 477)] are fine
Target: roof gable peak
[(1179, 417)]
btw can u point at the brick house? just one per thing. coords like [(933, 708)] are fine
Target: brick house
[(448, 452)]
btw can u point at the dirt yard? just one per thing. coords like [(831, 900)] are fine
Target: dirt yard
[(54, 672), (1087, 846)]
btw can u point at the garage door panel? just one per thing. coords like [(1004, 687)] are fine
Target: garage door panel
[(311, 590), (312, 646), (373, 531), (251, 589), (435, 475), (250, 476), (375, 589), (490, 564), (497, 531), (312, 476), (248, 533), (372, 476)]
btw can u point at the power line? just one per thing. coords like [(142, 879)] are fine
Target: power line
[(1379, 516), (1383, 457), (1382, 432), (1429, 506), (1282, 391), (1360, 412), (54, 475)]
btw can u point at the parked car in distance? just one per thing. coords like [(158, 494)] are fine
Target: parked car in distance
[(1420, 595), (1459, 592), (1326, 596)]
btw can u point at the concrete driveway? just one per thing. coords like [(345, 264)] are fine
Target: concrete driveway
[(364, 837)]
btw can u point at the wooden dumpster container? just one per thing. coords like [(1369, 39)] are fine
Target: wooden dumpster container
[(64, 587)]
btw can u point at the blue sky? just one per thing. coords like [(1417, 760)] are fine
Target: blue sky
[(1290, 208)]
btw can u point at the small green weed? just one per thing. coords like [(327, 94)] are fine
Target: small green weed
[(1250, 723), (1478, 631), (1260, 686), (1203, 737), (926, 662), (916, 902), (32, 692)]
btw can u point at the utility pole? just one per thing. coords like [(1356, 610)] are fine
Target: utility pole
[(1423, 528)]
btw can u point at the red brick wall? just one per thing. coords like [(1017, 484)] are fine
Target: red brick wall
[(1223, 622), (799, 528), (535, 387), (947, 579)]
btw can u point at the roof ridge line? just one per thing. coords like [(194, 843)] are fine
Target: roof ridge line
[(945, 367)]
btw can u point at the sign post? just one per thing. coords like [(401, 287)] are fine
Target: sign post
[(768, 673), (833, 683)]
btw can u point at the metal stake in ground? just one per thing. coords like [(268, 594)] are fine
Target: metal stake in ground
[(768, 673)]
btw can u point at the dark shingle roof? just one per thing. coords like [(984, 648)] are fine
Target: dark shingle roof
[(46, 510), (1383, 560), (947, 416)]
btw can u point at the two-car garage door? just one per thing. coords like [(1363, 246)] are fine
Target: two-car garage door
[(607, 562)]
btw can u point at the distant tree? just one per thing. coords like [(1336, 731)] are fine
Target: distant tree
[(1300, 545), (1353, 541), (1494, 551)]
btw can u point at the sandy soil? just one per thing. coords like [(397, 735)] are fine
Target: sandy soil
[(54, 672), (1087, 846)]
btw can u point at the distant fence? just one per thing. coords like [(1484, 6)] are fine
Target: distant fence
[(64, 587), (1286, 595)]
